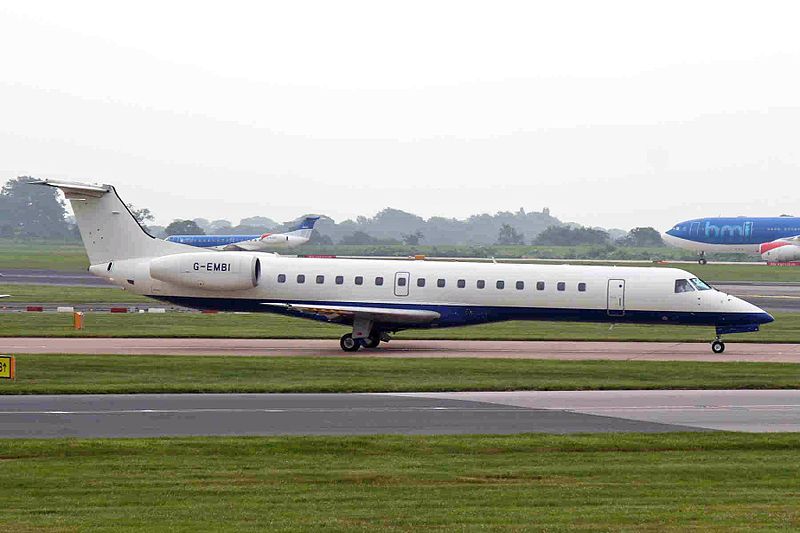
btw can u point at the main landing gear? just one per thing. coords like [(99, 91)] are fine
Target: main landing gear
[(350, 344), (702, 260), (717, 346)]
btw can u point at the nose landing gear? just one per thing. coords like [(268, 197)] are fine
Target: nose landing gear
[(702, 260), (717, 346)]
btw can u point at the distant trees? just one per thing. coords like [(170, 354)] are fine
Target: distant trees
[(30, 211), (642, 237), (360, 237), (567, 236), (509, 235), (141, 214), (413, 239), (183, 227), (318, 238)]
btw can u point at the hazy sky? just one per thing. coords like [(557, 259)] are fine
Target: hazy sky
[(610, 113)]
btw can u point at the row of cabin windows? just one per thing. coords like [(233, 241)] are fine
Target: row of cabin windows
[(441, 282)]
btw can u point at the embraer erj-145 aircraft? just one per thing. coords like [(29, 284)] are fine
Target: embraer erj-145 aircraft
[(296, 236), (776, 239), (380, 297)]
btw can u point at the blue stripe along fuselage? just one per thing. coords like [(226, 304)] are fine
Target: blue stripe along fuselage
[(463, 315)]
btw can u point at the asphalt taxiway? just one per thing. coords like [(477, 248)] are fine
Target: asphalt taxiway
[(151, 415), (564, 350)]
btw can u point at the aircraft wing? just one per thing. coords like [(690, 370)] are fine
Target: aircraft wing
[(5, 296), (378, 314)]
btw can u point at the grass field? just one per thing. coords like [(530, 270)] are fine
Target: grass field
[(78, 374), (786, 328), (666, 482), (43, 255), (46, 294)]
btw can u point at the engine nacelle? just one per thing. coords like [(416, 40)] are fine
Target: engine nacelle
[(212, 271), (780, 251)]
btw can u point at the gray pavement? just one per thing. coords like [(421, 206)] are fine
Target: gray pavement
[(562, 350), (729, 410), (51, 277), (149, 415)]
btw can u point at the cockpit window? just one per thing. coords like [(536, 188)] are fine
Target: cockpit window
[(700, 285), (683, 285)]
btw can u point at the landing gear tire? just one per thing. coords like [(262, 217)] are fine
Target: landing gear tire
[(348, 343), (717, 346), (371, 342), (702, 261)]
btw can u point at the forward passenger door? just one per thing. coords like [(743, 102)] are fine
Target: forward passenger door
[(616, 297)]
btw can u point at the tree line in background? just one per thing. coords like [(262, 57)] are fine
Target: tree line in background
[(39, 212)]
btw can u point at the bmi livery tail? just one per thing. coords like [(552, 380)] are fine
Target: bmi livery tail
[(377, 298)]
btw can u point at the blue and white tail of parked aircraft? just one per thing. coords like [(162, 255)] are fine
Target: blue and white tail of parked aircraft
[(377, 298), (296, 236), (776, 239)]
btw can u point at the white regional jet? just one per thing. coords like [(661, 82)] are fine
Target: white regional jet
[(380, 297)]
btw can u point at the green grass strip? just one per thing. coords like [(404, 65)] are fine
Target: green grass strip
[(633, 482), (73, 374)]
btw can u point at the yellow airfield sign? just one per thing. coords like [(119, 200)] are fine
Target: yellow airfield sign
[(7, 367)]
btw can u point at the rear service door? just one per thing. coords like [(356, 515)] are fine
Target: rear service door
[(616, 297), (401, 283)]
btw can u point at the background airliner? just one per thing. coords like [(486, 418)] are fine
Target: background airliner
[(380, 297), (774, 238), (296, 236)]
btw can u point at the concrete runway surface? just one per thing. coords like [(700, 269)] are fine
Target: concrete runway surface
[(151, 415), (564, 350)]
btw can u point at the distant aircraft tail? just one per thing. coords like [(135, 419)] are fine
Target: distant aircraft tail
[(108, 229), (305, 227)]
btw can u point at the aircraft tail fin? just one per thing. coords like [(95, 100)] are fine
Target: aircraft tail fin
[(108, 229), (304, 228)]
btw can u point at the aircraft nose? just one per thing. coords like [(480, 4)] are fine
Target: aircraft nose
[(758, 315)]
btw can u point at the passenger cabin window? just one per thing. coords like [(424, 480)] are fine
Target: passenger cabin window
[(301, 278), (461, 283), (359, 280), (420, 282), (339, 280), (480, 284), (379, 280), (560, 286), (683, 285), (581, 287), (440, 282), (320, 280), (699, 284), (520, 285), (500, 284), (401, 282), (281, 278), (540, 285)]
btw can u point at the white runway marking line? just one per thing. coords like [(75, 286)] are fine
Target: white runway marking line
[(286, 410)]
